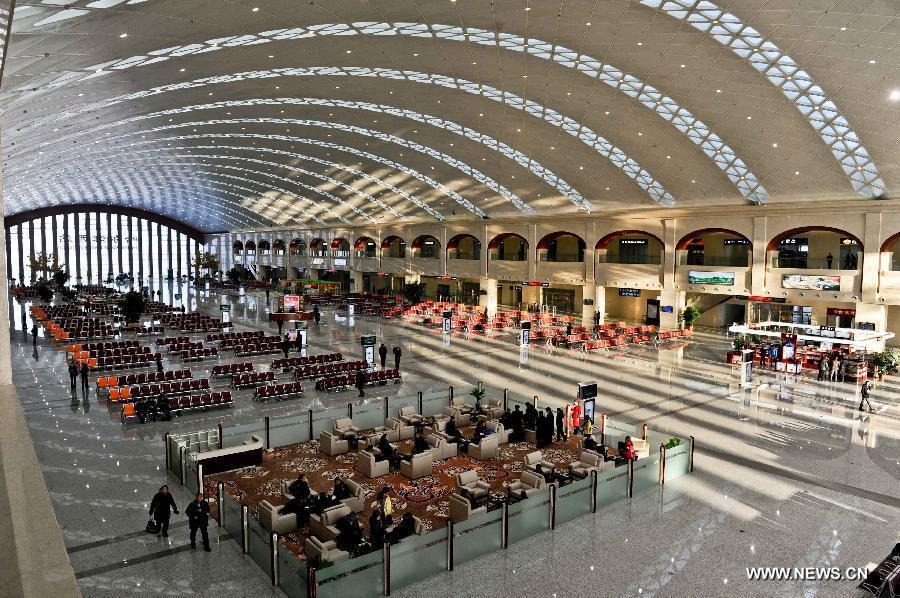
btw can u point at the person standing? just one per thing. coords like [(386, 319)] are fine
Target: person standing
[(286, 346), (835, 368), (198, 519), (317, 316), (822, 369), (540, 429), (549, 426), (84, 376), (864, 395), (360, 382), (160, 508), (829, 259), (382, 353), (560, 425), (397, 354), (280, 326), (576, 416), (34, 333), (73, 374), (159, 365)]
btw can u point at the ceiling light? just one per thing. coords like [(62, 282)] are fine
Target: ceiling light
[(640, 43), (181, 70), (749, 118), (527, 8), (682, 66), (796, 172), (668, 157), (415, 54), (843, 29), (895, 95), (349, 51), (774, 145), (124, 35), (588, 23), (718, 91), (871, 62), (255, 9)]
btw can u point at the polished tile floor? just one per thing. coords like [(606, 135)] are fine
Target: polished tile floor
[(790, 474)]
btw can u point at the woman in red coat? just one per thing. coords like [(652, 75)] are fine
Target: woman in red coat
[(629, 449), (576, 417)]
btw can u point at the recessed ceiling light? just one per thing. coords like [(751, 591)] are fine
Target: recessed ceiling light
[(796, 172), (527, 8), (606, 113), (349, 51), (693, 180), (640, 134), (588, 23), (640, 43), (682, 66), (774, 145), (415, 54), (749, 118), (668, 157), (124, 35), (255, 9), (843, 29), (181, 70), (895, 95), (871, 62), (718, 91)]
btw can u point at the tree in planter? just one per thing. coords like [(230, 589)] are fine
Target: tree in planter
[(206, 261), (478, 393), (414, 292), (132, 306), (60, 278), (45, 292), (238, 275), (690, 315), (43, 265)]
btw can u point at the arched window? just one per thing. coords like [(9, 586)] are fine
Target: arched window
[(508, 247), (629, 247), (263, 247), (815, 248), (278, 247), (297, 247), (393, 246), (250, 248), (715, 247), (317, 248), (366, 247), (561, 247), (464, 247), (426, 247), (340, 247), (237, 247)]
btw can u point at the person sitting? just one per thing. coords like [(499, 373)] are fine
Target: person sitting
[(538, 469), (506, 420), (386, 452), (419, 444), (351, 532), (405, 528), (480, 432), (628, 453), (590, 444), (299, 507), (376, 528), (340, 490), (300, 487)]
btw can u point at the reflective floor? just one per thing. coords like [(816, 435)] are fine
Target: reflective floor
[(790, 474)]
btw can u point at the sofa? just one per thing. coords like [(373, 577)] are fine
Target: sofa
[(486, 449), (408, 415), (271, 519), (462, 419), (461, 509), (344, 428), (532, 460), (529, 484), (403, 431), (440, 446), (469, 484), (641, 448), (332, 445), (393, 435), (370, 467), (323, 526), (286, 494), (587, 462), (318, 551), (493, 408), (460, 406), (530, 436), (418, 466), (500, 430), (356, 502)]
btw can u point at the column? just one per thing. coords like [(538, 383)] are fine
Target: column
[(170, 267), (356, 283), (5, 361), (131, 245), (121, 238), (55, 234), (31, 252), (140, 251), (76, 232), (675, 299), (758, 261), (21, 256), (110, 269), (65, 227), (159, 252), (531, 254), (588, 294), (488, 296), (100, 274), (871, 259)]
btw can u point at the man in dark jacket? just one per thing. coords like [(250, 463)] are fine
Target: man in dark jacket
[(84, 377), (198, 518), (160, 508), (34, 333), (73, 375), (382, 353), (300, 487), (360, 382), (317, 316), (549, 415), (397, 354), (518, 426), (286, 346)]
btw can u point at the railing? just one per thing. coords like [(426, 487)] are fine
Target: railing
[(495, 258), (734, 262), (561, 257), (391, 567), (629, 259), (798, 263)]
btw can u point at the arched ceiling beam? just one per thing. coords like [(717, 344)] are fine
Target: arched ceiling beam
[(795, 83)]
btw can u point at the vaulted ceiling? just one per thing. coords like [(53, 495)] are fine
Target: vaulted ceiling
[(230, 115)]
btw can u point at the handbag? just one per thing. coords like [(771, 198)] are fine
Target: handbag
[(152, 527)]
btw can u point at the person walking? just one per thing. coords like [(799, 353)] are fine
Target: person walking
[(835, 368), (286, 346), (73, 375), (397, 354), (317, 316), (560, 425), (160, 508), (864, 395), (198, 519), (34, 333), (84, 376), (382, 353), (280, 326), (360, 382), (822, 369)]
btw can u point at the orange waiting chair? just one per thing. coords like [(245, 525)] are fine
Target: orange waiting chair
[(128, 412), (114, 394)]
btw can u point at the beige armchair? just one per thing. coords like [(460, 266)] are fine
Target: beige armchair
[(641, 448), (418, 466), (271, 519), (529, 484), (459, 405), (408, 415), (493, 408), (356, 502), (286, 493), (469, 484), (323, 526), (487, 449), (403, 431), (530, 436), (318, 551), (370, 467), (393, 435), (344, 428), (532, 460), (441, 447), (500, 430), (332, 445), (461, 509), (440, 424), (587, 462)]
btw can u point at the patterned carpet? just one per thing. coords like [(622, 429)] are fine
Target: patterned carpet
[(427, 498)]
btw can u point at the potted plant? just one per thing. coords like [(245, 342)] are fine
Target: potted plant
[(690, 315), (132, 306), (478, 393)]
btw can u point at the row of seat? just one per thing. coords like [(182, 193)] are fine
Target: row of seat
[(184, 347), (252, 378), (198, 354), (258, 349), (229, 369), (224, 336), (101, 346), (123, 362), (317, 371), (147, 330), (273, 391), (292, 362), (237, 343), (349, 380), (143, 391), (105, 382), (119, 352), (182, 404), (173, 340)]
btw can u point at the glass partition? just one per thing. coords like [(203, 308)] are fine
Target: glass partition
[(231, 509), (291, 573), (173, 447), (478, 535), (529, 516), (190, 473), (323, 418), (646, 472), (617, 430), (260, 544), (418, 557), (397, 403), (612, 485), (361, 577), (573, 500), (434, 401), (292, 429), (369, 415), (235, 435), (678, 460)]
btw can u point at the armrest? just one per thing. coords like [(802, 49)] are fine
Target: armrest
[(329, 545), (482, 484)]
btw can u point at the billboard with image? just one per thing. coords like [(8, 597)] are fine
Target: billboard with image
[(811, 283), (707, 277)]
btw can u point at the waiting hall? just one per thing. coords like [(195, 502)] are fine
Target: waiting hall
[(450, 298)]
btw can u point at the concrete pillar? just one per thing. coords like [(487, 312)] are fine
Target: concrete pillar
[(488, 296), (484, 251), (531, 254), (5, 362), (356, 282), (758, 257), (872, 257), (669, 240), (600, 302), (597, 295), (675, 299)]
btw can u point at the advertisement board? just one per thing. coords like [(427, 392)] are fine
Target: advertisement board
[(811, 283), (629, 292), (707, 277), (291, 302)]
